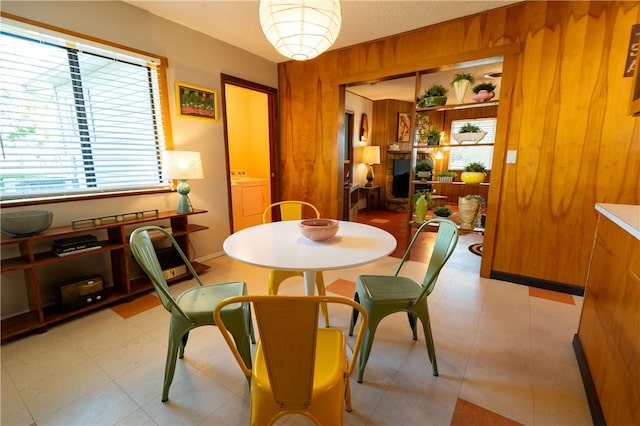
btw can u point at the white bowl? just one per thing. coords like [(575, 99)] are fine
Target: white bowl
[(319, 229), (474, 137), (20, 224)]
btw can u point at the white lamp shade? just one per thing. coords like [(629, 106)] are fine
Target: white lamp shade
[(300, 29), (181, 165), (371, 154)]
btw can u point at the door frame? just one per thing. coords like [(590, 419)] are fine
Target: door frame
[(274, 135)]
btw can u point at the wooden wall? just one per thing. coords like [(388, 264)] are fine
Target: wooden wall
[(564, 108)]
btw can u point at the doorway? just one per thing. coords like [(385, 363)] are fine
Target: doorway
[(251, 146)]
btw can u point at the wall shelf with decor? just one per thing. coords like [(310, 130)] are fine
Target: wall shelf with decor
[(459, 106), (30, 254)]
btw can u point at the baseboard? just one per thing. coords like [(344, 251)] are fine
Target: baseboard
[(538, 283), (592, 397)]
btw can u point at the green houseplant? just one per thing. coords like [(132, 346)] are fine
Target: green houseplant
[(421, 202), (423, 169), (469, 132), (461, 82), (484, 91), (446, 176), (474, 173), (442, 211), (469, 128), (434, 95)]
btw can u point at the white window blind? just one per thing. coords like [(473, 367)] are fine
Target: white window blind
[(75, 118), (471, 153)]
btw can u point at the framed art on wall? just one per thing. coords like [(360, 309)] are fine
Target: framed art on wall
[(404, 124), (195, 101)]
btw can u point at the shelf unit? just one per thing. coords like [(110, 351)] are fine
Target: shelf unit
[(32, 257)]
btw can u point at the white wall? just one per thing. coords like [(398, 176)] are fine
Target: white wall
[(359, 106), (194, 59)]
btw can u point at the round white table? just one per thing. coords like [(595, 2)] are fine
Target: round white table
[(281, 246)]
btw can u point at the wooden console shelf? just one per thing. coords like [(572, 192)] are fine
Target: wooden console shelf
[(35, 253)]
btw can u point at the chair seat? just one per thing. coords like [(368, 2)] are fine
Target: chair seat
[(330, 361), (387, 288), (198, 301)]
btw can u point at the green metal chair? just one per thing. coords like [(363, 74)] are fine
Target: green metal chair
[(382, 295), (193, 307)]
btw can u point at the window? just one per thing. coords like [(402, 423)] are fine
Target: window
[(460, 157), (76, 118)]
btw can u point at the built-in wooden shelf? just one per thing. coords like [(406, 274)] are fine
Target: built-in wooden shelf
[(34, 253)]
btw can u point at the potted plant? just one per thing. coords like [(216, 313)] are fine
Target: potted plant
[(483, 91), (469, 132), (442, 211), (423, 169), (468, 209), (461, 82), (421, 202), (473, 173), (432, 136), (434, 95), (445, 176)]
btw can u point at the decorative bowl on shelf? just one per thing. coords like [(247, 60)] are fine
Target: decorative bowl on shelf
[(319, 229), (25, 223), (474, 137)]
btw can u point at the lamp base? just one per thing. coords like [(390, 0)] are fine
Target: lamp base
[(184, 204), (370, 176)]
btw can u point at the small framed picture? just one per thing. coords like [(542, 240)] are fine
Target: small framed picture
[(404, 126), (195, 101)]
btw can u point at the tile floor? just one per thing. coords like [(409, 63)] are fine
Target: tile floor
[(504, 355)]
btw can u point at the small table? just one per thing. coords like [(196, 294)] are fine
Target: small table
[(373, 196), (281, 246)]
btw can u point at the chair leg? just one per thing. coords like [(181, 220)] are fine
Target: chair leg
[(354, 315), (249, 321), (170, 366), (412, 324), (431, 350), (183, 345), (365, 349), (237, 326), (347, 396)]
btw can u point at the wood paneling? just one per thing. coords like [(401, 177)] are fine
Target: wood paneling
[(564, 107)]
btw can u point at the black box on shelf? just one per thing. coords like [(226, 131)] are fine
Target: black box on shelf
[(82, 292)]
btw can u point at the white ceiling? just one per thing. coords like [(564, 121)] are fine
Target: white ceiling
[(237, 22)]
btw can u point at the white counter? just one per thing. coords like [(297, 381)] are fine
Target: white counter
[(625, 216)]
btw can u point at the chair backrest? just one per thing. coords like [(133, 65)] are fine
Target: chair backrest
[(445, 244), (144, 252), (282, 320), (289, 210)]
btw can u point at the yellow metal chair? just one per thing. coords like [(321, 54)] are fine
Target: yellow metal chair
[(292, 210), (382, 295), (193, 307), (298, 367)]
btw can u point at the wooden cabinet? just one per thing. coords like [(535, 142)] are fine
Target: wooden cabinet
[(31, 255), (609, 330), (350, 203)]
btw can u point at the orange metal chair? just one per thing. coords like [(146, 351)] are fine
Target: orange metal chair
[(293, 210), (309, 377)]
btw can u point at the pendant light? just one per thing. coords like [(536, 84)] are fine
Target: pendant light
[(300, 29)]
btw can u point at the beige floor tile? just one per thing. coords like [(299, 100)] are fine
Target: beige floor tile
[(496, 347)]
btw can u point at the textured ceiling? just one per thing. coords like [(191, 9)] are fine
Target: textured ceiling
[(237, 23)]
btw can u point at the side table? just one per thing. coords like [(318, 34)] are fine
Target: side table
[(373, 196)]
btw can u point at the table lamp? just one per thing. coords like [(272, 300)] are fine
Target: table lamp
[(370, 156), (182, 165)]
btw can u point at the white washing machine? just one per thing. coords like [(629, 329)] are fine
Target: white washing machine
[(249, 197)]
